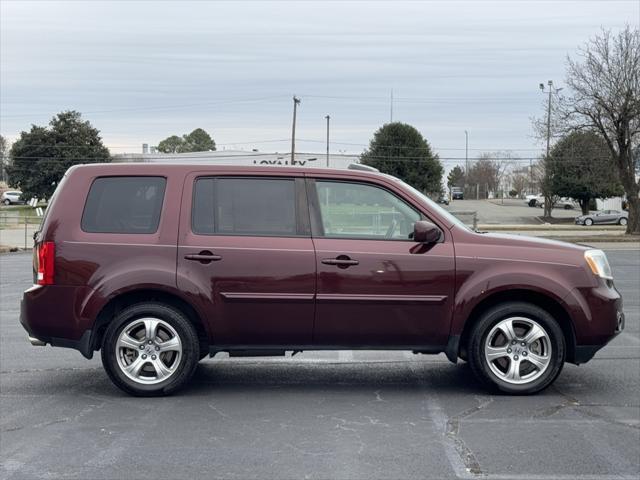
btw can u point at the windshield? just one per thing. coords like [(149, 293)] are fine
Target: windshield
[(433, 205)]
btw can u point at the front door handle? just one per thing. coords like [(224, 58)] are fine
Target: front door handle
[(342, 261), (203, 257)]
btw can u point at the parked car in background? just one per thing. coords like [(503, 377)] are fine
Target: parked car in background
[(565, 203), (12, 197), (533, 200), (605, 217), (158, 266), (457, 193), (442, 199)]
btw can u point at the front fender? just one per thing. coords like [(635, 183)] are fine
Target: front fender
[(500, 277)]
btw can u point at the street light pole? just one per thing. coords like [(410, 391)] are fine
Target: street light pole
[(550, 83), (328, 118), (551, 91), (296, 101)]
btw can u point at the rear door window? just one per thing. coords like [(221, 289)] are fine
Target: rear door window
[(244, 206), (124, 205)]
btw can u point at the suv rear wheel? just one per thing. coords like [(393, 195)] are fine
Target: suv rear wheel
[(150, 349), (517, 348)]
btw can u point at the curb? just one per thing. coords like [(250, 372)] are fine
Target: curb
[(5, 249), (596, 239), (551, 228)]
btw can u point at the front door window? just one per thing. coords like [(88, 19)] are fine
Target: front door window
[(361, 211)]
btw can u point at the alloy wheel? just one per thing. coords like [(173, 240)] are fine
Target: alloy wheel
[(148, 350), (518, 350)]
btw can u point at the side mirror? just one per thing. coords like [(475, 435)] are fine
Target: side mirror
[(425, 232)]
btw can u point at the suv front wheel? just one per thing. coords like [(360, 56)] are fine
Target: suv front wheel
[(150, 349), (517, 348)]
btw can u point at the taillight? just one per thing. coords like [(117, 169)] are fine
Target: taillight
[(46, 257)]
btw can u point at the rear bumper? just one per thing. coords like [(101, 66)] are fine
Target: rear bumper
[(51, 315), (83, 345)]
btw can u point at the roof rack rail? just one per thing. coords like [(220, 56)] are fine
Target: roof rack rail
[(360, 166)]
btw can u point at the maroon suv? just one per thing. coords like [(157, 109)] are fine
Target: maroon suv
[(159, 266)]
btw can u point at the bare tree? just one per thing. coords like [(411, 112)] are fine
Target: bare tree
[(520, 179), (605, 96), (489, 170)]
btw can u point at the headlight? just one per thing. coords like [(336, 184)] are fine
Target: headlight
[(597, 261)]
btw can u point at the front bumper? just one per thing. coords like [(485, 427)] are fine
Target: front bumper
[(598, 318), (584, 353)]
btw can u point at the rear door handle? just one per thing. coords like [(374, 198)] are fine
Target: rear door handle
[(203, 257), (341, 261)]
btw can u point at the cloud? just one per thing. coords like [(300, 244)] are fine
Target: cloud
[(151, 69)]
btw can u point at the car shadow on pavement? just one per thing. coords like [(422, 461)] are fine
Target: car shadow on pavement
[(254, 376)]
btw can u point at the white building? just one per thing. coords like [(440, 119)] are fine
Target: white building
[(241, 157)]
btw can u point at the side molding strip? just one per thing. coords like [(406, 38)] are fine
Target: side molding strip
[(327, 297), (275, 297)]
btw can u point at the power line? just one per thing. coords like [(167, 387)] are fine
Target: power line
[(377, 157), (66, 145), (381, 99), (281, 140), (430, 148), (159, 107)]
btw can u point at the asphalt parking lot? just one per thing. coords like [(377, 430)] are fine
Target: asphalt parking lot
[(507, 211), (352, 415)]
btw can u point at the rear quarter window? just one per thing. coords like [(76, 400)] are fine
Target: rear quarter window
[(124, 205)]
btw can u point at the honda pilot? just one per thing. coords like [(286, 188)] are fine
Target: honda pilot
[(158, 266)]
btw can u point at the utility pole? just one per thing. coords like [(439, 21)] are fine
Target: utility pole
[(328, 117), (547, 199), (466, 152), (391, 108), (466, 159), (296, 101)]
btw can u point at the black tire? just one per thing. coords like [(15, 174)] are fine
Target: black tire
[(588, 222), (7, 202), (622, 221), (189, 356), (490, 318)]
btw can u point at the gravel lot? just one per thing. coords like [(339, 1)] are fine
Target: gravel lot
[(318, 415)]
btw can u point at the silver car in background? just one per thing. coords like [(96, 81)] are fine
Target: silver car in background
[(604, 217), (12, 197)]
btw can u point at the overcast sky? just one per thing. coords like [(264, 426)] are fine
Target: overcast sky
[(141, 71)]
